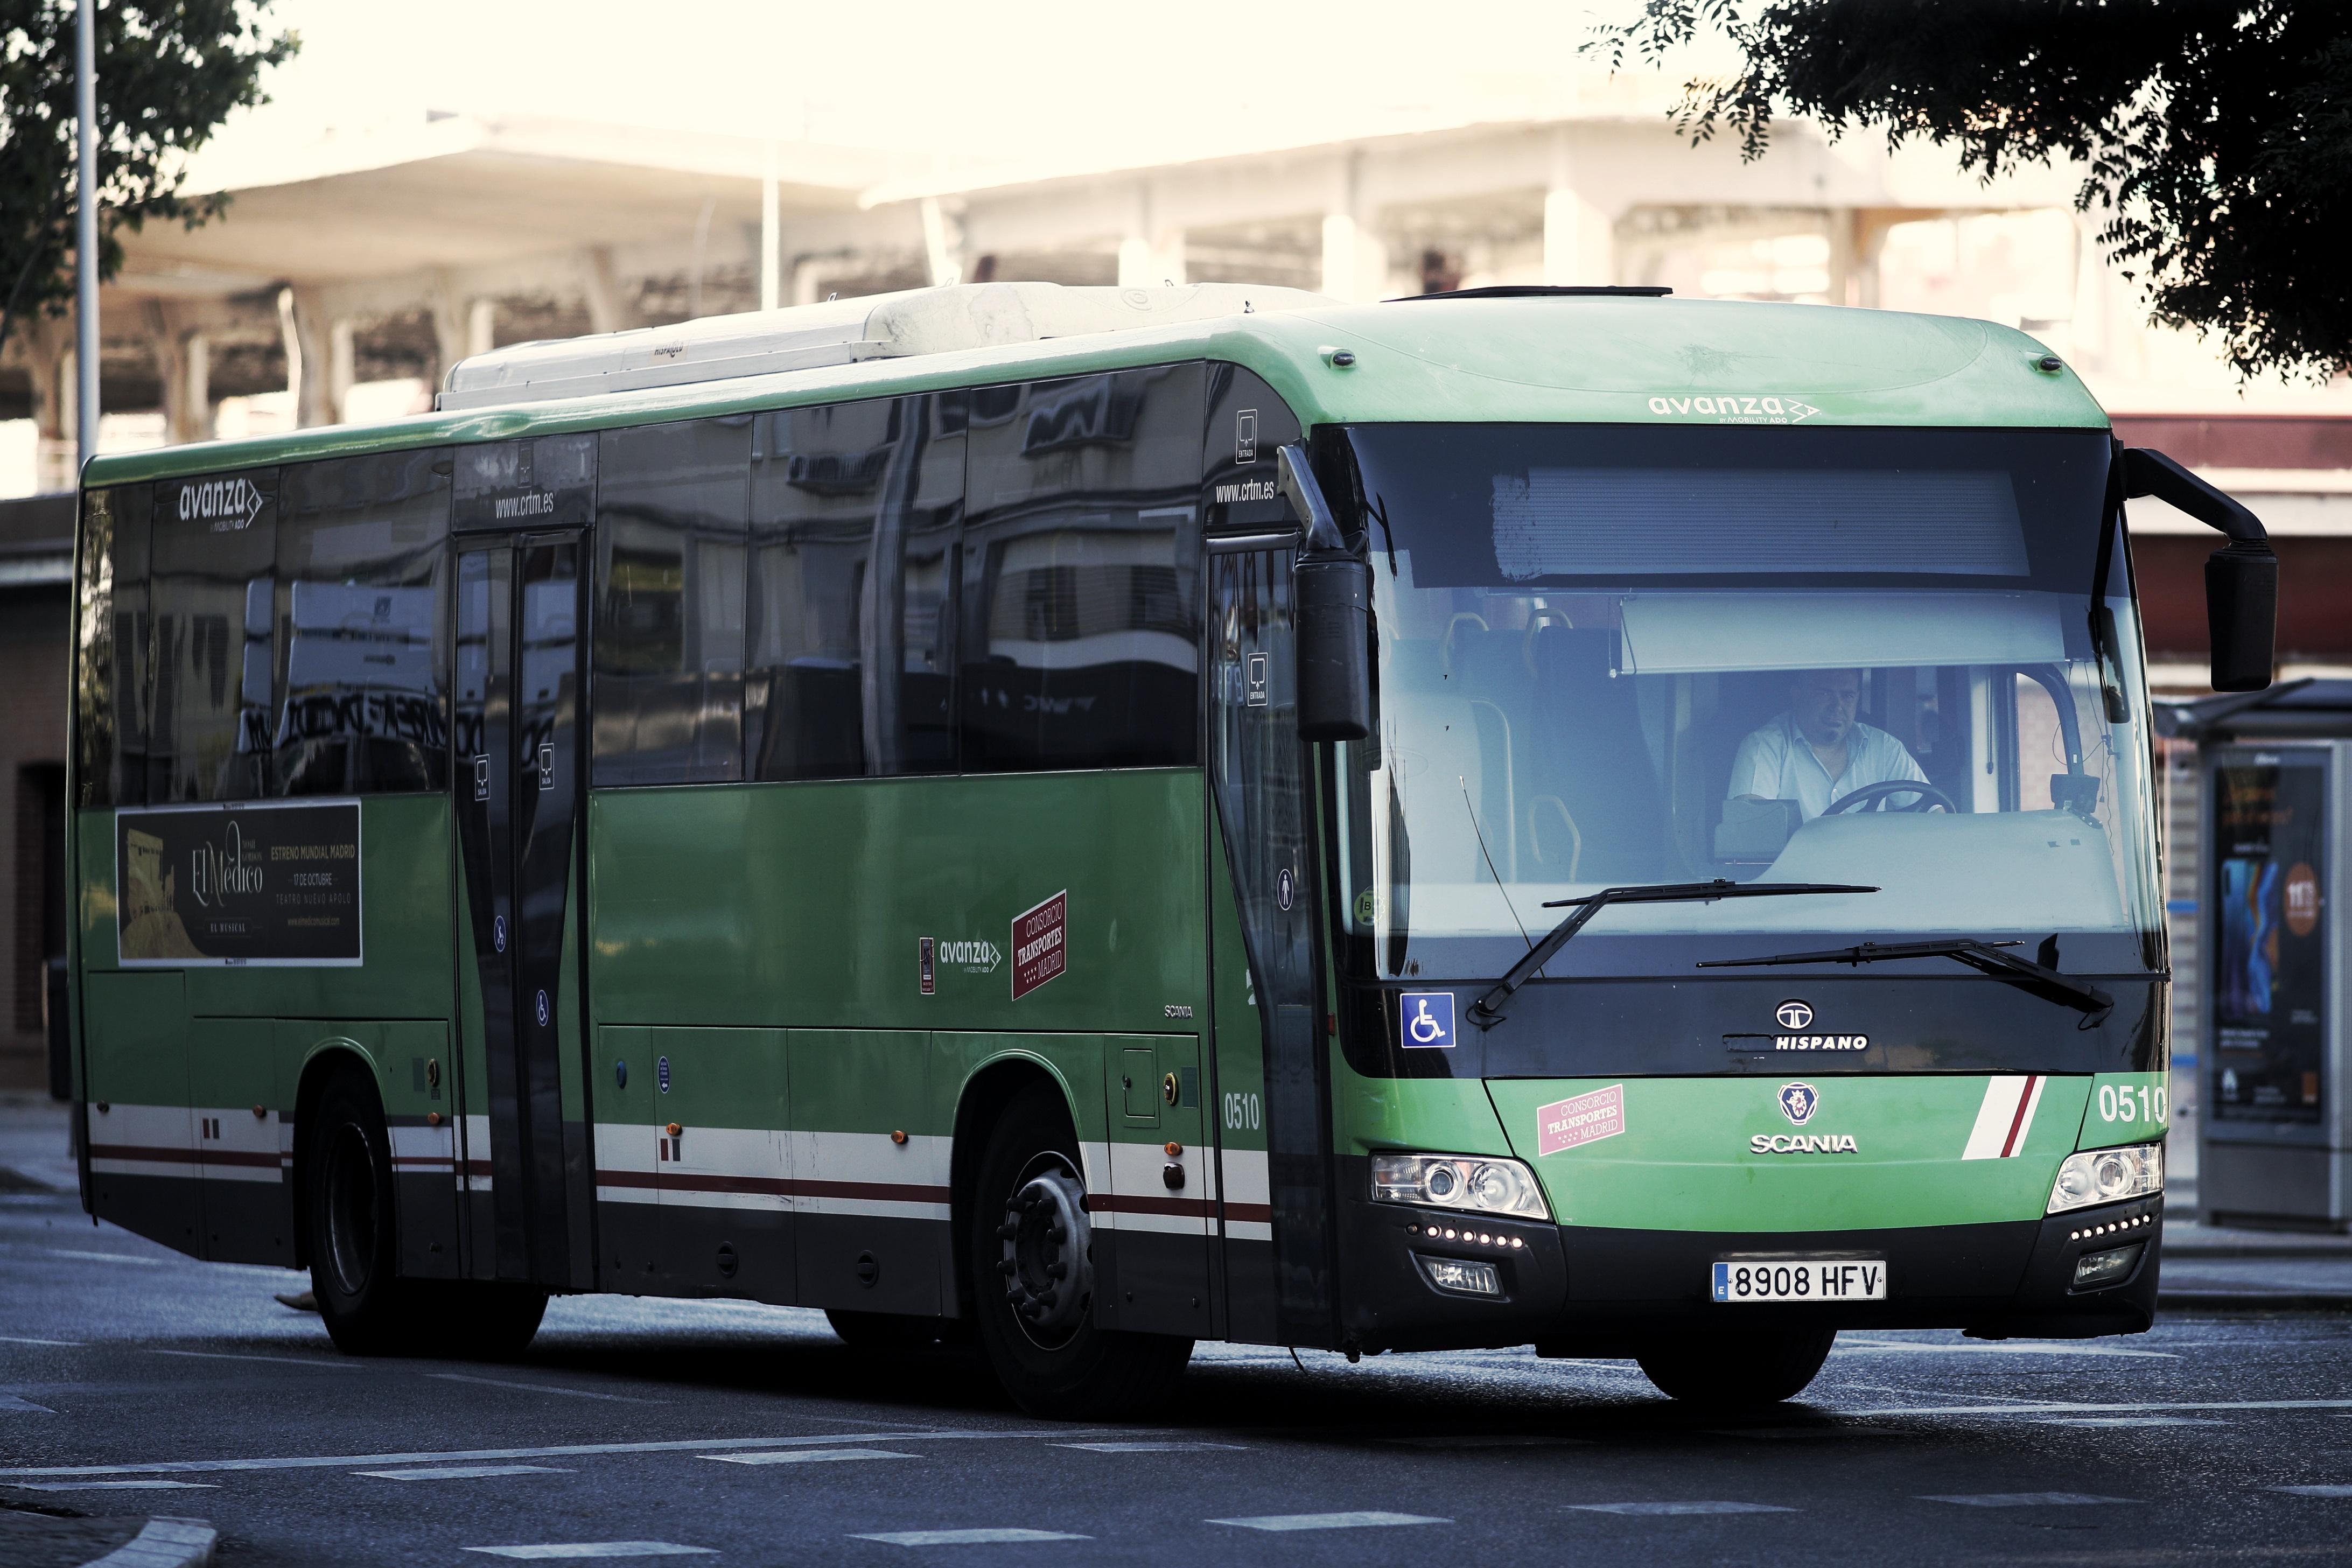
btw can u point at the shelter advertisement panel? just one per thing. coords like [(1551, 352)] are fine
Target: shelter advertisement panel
[(254, 883), (2270, 841)]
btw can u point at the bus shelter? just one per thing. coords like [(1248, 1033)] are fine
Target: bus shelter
[(2274, 1142)]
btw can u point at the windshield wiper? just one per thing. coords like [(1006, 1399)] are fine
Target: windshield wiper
[(1487, 1011), (1985, 957)]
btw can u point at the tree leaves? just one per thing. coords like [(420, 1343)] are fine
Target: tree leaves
[(169, 71), (2215, 134)]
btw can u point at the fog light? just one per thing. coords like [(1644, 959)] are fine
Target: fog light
[(1461, 1277), (2094, 1269)]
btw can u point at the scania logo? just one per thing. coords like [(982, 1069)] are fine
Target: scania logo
[(1794, 1014), (1799, 1101)]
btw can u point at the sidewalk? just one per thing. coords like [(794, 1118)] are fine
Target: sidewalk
[(2227, 1269)]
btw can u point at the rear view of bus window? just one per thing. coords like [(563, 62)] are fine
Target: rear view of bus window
[(213, 551)]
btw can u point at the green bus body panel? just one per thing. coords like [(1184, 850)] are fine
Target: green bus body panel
[(801, 905), (2125, 1107), (1454, 361), (1683, 1160), (1454, 1115)]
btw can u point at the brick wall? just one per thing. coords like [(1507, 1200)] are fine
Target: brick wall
[(33, 691)]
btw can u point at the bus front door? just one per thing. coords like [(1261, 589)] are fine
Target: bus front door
[(1281, 1195), (519, 787)]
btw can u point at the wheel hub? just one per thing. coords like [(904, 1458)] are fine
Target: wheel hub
[(1048, 1254)]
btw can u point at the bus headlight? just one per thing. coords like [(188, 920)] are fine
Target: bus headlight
[(1462, 1182), (2107, 1176)]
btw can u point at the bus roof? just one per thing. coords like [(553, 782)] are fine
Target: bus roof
[(1584, 358)]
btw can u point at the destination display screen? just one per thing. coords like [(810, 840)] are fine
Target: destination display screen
[(254, 883)]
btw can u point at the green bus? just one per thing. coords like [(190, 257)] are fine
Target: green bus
[(1085, 820)]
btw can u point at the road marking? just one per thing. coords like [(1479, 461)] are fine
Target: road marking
[(2027, 1499), (2130, 1421), (460, 1472), (11, 1403), (1360, 1520), (2312, 1491), (807, 1457), (2000, 1347), (2063, 1407), (1670, 1507), (963, 1537), (315, 1362), (598, 1549), (543, 1388), (164, 1541), (1495, 1440), (21, 1340), (552, 1451), (116, 1486), (1151, 1447), (106, 1257)]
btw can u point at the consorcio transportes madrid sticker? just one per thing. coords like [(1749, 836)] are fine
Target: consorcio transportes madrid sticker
[(1039, 949), (1565, 1123)]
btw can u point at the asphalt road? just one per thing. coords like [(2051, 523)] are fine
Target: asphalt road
[(136, 1381)]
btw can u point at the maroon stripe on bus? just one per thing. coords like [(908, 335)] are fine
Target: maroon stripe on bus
[(1113, 1203), (1262, 1213), (888, 1192)]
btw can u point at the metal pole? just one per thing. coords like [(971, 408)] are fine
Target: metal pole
[(86, 233)]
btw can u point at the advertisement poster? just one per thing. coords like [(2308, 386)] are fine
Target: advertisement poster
[(258, 883), (2270, 964)]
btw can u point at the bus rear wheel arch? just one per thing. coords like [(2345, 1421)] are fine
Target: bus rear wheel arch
[(1032, 1305)]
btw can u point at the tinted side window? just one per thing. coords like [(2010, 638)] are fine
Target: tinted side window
[(1081, 582), (854, 514), (671, 510), (110, 651), (1247, 425), (362, 584), (549, 481), (213, 552)]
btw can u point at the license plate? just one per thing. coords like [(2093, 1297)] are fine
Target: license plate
[(1803, 1280)]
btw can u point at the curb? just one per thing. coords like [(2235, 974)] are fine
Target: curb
[(2252, 1301), (164, 1543)]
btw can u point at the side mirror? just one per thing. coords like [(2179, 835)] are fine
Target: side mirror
[(2240, 578), (1332, 595)]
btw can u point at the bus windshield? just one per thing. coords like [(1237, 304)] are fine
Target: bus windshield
[(1629, 655)]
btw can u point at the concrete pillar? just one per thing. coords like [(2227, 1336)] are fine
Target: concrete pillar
[(309, 368), (448, 327), (1580, 235), (771, 233), (609, 308), (48, 356), (1355, 253), (942, 241), (183, 365), (343, 366), (1857, 238), (481, 327), (808, 276), (1151, 254)]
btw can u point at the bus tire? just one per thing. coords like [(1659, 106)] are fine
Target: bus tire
[(1048, 1351), (348, 1226), (479, 1320), (883, 1331), (1739, 1368)]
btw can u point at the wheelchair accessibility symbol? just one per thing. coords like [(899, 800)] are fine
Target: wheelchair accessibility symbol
[(1425, 1019)]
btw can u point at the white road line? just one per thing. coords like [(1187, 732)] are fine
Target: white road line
[(963, 1537), (2063, 1407), (1677, 1508), (1996, 1347), (1151, 1447), (314, 1361), (2130, 1421), (555, 1550), (462, 1472), (807, 1457), (116, 1486), (11, 1403), (543, 1388), (106, 1257), (2312, 1491), (553, 1451), (22, 1340), (1367, 1519), (2028, 1499)]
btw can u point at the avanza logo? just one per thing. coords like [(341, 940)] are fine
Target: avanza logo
[(229, 505), (1738, 408)]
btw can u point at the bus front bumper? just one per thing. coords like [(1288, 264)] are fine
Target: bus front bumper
[(1591, 1291)]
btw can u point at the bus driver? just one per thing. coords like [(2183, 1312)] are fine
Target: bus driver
[(1817, 751)]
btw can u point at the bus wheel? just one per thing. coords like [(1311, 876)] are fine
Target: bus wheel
[(883, 1331), (1032, 1278), (1740, 1368), (479, 1320), (348, 1225)]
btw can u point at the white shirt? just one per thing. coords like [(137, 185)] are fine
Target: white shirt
[(1776, 763)]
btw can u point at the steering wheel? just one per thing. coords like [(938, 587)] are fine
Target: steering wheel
[(1929, 796)]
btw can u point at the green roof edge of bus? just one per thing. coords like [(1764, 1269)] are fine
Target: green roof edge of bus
[(1645, 361)]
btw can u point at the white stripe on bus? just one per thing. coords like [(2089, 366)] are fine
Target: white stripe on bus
[(2005, 1118)]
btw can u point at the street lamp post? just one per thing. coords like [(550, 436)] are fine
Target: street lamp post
[(86, 235)]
